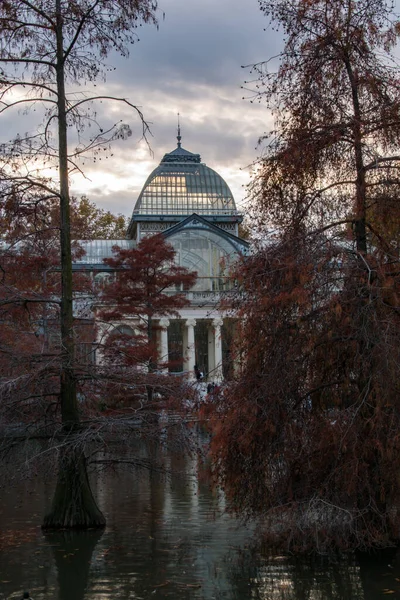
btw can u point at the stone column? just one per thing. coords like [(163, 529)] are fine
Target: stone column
[(211, 349), (184, 349), (163, 348), (191, 356), (217, 324)]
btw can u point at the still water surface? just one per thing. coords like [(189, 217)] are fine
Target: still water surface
[(167, 538)]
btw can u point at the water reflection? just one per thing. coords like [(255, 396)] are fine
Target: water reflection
[(72, 555), (166, 538), (316, 578)]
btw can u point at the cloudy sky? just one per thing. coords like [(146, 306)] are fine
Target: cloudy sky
[(192, 65)]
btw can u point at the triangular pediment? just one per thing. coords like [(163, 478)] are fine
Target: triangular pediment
[(195, 221)]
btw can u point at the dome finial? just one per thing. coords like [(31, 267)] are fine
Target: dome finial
[(179, 137)]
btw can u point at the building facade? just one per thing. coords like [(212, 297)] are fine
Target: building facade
[(193, 207)]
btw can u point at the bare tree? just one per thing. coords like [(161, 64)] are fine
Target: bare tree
[(45, 45)]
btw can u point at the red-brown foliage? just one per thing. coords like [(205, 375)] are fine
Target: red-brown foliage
[(148, 285), (309, 433), (307, 436)]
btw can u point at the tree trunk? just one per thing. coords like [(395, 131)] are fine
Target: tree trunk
[(69, 408), (151, 365), (360, 204), (73, 504)]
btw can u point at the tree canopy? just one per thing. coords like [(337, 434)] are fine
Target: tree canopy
[(307, 436), (89, 222), (335, 96)]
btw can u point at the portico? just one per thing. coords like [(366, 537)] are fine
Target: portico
[(208, 356)]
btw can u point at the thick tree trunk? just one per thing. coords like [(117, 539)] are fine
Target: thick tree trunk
[(69, 408), (73, 505)]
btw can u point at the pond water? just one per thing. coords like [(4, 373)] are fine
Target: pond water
[(166, 538)]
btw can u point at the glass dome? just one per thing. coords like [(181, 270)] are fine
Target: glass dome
[(182, 185)]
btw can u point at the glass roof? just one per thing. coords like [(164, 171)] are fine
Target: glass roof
[(96, 250), (182, 185)]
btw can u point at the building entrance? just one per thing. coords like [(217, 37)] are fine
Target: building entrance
[(175, 346), (201, 345)]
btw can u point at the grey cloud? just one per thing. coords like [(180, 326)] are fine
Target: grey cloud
[(201, 40), (191, 65)]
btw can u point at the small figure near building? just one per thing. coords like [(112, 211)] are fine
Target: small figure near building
[(198, 374)]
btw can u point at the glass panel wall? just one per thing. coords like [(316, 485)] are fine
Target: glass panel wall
[(207, 253)]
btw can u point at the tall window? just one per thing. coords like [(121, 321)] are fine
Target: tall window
[(207, 253)]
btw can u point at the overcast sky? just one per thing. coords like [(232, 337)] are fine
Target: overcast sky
[(192, 65)]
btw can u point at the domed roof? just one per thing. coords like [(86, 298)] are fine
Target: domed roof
[(183, 185)]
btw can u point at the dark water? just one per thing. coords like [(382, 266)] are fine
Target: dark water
[(166, 538)]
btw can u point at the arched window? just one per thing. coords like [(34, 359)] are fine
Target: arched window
[(122, 330), (208, 253), (102, 279)]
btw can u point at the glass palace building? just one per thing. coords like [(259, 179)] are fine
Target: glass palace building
[(193, 207)]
